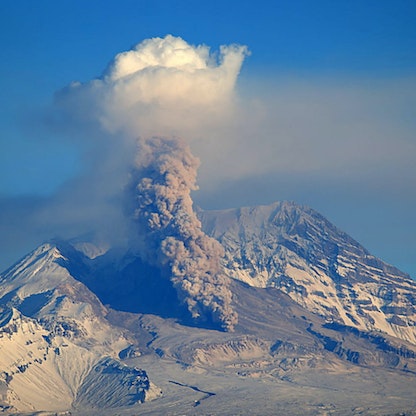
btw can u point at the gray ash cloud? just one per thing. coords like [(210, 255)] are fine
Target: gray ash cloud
[(167, 233)]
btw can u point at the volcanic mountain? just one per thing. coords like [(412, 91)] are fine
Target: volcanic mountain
[(298, 251), (323, 326)]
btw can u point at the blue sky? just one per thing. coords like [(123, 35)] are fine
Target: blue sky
[(333, 82)]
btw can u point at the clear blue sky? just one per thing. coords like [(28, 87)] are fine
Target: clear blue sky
[(356, 58)]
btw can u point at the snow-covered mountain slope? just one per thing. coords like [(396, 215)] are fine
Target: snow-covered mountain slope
[(312, 305), (53, 334), (295, 249)]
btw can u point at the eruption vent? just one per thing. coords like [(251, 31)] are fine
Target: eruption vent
[(168, 233)]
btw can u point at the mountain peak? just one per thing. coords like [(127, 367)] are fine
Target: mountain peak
[(297, 250), (311, 302)]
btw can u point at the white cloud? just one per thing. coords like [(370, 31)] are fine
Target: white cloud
[(163, 86)]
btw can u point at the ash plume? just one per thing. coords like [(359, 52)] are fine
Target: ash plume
[(162, 87), (168, 234)]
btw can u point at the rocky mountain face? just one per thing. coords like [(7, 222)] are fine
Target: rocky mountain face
[(321, 268), (315, 312), (54, 337)]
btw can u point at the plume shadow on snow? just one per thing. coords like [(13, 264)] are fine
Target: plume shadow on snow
[(132, 285), (137, 287), (123, 282), (126, 283)]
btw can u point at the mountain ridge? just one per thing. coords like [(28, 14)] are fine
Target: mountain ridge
[(97, 327), (54, 334), (296, 249)]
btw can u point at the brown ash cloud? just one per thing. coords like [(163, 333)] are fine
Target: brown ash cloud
[(167, 233)]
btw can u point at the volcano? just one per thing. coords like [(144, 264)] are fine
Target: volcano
[(323, 326)]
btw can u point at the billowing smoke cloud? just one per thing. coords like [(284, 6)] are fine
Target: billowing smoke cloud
[(161, 88), (168, 232)]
